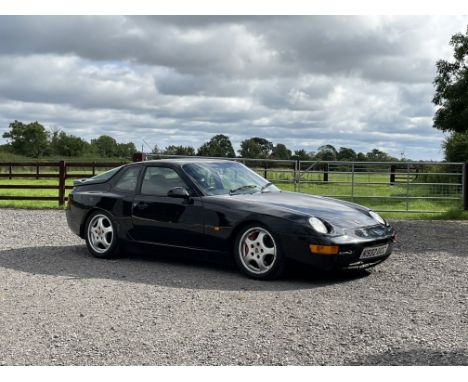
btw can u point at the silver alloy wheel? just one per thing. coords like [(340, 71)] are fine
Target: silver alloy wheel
[(257, 250), (100, 233)]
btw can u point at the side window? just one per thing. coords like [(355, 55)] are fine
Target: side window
[(159, 180), (128, 180)]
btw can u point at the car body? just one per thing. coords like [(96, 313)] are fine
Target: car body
[(221, 206)]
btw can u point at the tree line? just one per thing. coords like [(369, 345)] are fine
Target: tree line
[(33, 140), (261, 148)]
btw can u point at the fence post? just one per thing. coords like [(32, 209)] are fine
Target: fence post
[(407, 185), (37, 170), (325, 172), (265, 170), (62, 176), (465, 186), (11, 171), (298, 166), (392, 174)]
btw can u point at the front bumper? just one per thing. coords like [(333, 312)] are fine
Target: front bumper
[(350, 250)]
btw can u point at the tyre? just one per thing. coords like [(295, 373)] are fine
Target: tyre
[(101, 235), (257, 253)]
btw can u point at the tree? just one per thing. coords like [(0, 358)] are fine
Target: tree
[(105, 146), (280, 151), (218, 146), (27, 139), (451, 88), (361, 157), (379, 156), (346, 154), (327, 153), (6, 148), (67, 145), (126, 150), (256, 148), (302, 155), (456, 147), (179, 150)]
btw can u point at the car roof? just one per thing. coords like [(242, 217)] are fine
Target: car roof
[(182, 161)]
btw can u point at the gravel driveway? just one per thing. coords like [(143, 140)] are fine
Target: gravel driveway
[(59, 306)]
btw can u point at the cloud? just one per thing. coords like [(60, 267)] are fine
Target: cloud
[(360, 82)]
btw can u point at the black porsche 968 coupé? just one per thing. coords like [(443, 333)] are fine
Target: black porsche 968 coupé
[(222, 206)]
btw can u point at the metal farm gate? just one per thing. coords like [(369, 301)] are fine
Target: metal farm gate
[(429, 187)]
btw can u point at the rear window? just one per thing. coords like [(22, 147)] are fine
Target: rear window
[(103, 177)]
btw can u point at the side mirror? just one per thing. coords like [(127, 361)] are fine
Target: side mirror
[(178, 192)]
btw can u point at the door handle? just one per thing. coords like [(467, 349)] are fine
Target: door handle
[(141, 205)]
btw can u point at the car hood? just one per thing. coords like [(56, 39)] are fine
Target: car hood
[(337, 212)]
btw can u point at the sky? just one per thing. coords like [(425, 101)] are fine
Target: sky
[(350, 81)]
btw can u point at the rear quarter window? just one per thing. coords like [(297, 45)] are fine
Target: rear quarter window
[(128, 180)]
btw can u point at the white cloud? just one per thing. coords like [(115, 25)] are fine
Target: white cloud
[(360, 82)]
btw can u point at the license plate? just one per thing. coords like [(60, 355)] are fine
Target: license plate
[(367, 253)]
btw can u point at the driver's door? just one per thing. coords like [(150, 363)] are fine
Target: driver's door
[(161, 219)]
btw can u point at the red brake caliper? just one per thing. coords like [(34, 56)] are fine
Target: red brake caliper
[(252, 236)]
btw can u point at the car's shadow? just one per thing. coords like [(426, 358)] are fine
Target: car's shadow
[(415, 357), (172, 270)]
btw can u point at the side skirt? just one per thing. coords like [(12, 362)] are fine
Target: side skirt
[(178, 247)]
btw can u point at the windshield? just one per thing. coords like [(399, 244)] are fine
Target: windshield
[(217, 178)]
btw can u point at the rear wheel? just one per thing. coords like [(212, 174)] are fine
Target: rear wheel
[(257, 253), (101, 235)]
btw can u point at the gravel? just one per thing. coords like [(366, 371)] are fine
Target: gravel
[(60, 306)]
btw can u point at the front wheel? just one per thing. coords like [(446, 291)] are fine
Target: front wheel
[(101, 235), (257, 253)]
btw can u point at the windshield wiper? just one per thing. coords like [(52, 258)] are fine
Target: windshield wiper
[(265, 186), (246, 187)]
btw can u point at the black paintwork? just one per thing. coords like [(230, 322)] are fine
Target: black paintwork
[(211, 223)]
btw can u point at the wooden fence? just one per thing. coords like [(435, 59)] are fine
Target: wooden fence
[(15, 170), (451, 180)]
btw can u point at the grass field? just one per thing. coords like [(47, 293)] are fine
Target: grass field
[(374, 190), (380, 195)]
